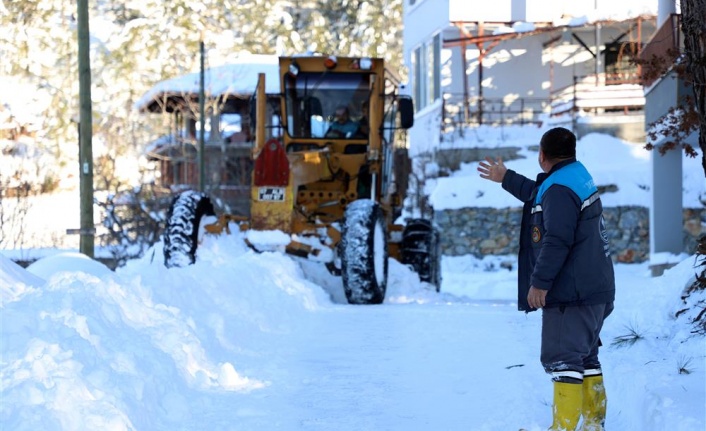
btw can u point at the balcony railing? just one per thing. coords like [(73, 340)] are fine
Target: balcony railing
[(490, 111), (618, 93)]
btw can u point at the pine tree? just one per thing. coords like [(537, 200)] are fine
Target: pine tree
[(138, 44), (693, 18)]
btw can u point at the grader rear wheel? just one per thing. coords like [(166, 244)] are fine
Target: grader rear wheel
[(420, 250)]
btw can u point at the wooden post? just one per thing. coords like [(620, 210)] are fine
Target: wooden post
[(202, 117), (466, 96), (481, 55), (85, 135), (574, 107)]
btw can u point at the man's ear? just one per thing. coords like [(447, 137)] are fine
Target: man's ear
[(543, 161)]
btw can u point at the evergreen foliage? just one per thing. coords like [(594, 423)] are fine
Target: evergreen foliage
[(693, 18), (136, 44), (139, 43)]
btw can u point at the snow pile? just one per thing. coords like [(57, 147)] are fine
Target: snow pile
[(263, 341), (670, 355), (15, 282), (91, 346), (68, 262)]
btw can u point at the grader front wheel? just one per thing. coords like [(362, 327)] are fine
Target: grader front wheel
[(181, 235), (364, 253)]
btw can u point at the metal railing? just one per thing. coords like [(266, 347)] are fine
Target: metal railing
[(458, 112), (619, 92)]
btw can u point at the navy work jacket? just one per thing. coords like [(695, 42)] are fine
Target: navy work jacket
[(564, 248)]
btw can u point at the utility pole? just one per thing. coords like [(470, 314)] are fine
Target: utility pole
[(202, 114), (85, 133)]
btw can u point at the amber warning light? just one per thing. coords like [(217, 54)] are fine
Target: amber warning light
[(331, 62)]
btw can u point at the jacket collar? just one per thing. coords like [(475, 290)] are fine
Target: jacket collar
[(543, 175), (561, 165)]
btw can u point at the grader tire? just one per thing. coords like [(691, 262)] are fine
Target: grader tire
[(181, 233), (364, 253), (421, 252)]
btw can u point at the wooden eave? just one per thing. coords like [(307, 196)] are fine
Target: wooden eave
[(494, 38)]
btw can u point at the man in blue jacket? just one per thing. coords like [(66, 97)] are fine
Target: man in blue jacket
[(564, 268)]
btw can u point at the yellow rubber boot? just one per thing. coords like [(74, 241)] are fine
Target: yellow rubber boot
[(594, 403), (568, 398)]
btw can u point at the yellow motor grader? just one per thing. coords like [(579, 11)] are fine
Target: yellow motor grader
[(328, 172)]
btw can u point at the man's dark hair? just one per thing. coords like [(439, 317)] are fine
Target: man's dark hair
[(558, 143)]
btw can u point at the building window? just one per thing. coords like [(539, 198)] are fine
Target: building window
[(435, 78), (416, 69), (426, 64)]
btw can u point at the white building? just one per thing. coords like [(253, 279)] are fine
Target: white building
[(473, 62)]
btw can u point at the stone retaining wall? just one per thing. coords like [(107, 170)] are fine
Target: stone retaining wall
[(481, 231)]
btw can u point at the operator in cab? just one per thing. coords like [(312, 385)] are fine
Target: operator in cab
[(342, 126)]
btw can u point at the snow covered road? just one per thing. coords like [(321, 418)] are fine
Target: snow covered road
[(245, 341), (398, 368)]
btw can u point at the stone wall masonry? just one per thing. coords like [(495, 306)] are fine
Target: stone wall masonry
[(496, 231)]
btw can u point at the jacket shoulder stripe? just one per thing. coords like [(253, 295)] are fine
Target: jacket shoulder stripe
[(590, 201)]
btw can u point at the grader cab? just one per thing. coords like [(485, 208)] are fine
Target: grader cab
[(328, 170)]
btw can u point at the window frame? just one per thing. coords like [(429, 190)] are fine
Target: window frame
[(426, 69)]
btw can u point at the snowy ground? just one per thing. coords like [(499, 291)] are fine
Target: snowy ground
[(246, 341)]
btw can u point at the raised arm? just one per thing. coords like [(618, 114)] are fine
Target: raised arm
[(518, 185)]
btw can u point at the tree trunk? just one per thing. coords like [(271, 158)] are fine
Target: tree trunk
[(694, 28)]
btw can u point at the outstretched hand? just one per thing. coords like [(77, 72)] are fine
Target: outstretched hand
[(493, 170)]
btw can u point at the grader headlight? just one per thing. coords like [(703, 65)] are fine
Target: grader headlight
[(366, 63), (293, 69)]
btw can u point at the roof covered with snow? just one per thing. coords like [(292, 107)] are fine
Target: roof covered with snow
[(238, 78)]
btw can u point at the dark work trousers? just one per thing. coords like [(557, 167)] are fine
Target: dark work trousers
[(570, 340)]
